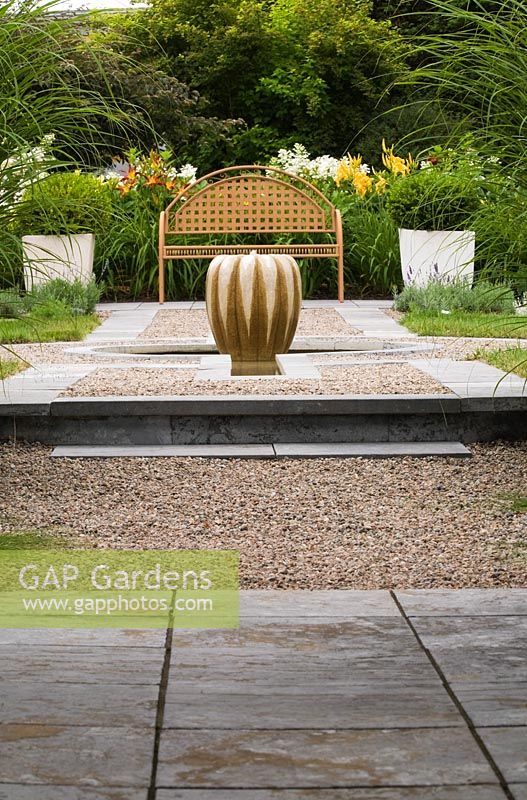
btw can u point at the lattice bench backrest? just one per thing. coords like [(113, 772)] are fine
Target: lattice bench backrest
[(255, 201)]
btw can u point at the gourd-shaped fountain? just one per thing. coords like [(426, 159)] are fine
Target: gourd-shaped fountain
[(253, 305)]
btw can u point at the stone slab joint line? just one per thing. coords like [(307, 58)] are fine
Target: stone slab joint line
[(456, 701), (161, 700)]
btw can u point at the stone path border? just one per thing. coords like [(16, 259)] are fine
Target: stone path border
[(324, 695)]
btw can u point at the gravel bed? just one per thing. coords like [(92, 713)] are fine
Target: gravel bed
[(55, 353), (181, 324), (325, 523), (442, 347), (362, 379)]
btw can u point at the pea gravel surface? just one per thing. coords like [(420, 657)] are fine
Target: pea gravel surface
[(180, 324), (339, 380), (321, 523)]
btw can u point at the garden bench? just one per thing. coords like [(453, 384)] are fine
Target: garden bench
[(250, 200)]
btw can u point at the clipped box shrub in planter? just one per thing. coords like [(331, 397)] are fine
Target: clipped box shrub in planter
[(58, 218), (432, 210)]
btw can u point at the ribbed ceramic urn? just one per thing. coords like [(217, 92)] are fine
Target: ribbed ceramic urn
[(253, 305)]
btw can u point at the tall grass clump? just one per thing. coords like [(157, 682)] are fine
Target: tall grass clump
[(476, 72), (47, 120)]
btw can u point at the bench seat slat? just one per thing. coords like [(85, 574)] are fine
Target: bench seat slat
[(209, 251)]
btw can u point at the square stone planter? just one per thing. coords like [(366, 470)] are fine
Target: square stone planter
[(67, 257), (441, 256)]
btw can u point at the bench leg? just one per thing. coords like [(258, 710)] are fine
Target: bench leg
[(341, 278), (161, 280), (161, 245)]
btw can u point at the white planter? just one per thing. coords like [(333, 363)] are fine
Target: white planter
[(48, 257), (441, 256)]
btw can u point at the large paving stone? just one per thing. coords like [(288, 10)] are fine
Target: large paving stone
[(519, 790), (293, 676), (259, 605), (65, 664), (90, 637), (13, 792), (91, 756), (462, 602), (494, 632), (381, 706), (494, 703), (481, 665), (77, 704), (393, 793), (370, 636), (331, 759), (508, 747)]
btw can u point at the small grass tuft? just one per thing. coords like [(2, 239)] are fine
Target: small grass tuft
[(37, 539), (9, 367), (510, 360)]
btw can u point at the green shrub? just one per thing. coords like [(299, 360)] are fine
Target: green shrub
[(64, 203), (372, 263), (10, 305), (433, 200), (75, 298), (437, 297)]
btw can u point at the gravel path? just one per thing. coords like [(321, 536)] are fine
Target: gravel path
[(325, 523), (181, 324), (362, 379)]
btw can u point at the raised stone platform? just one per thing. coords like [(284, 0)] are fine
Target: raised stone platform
[(482, 403)]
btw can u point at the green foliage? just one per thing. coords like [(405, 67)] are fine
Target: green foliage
[(510, 360), (431, 199), (10, 305), (114, 60), (52, 322), (8, 367), (437, 297), (372, 263), (475, 67), (314, 71), (64, 203), (78, 298), (464, 323), (501, 240)]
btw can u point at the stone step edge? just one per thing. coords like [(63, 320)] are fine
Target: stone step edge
[(278, 450)]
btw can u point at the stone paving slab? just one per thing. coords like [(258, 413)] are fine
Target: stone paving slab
[(74, 704), (462, 602), (294, 674), (470, 665), (117, 637), (371, 450), (291, 604), (479, 632), (64, 664), (95, 756), (322, 642), (494, 703), (519, 791), (245, 759), (393, 793), (18, 792), (508, 746), (385, 705), (165, 451)]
